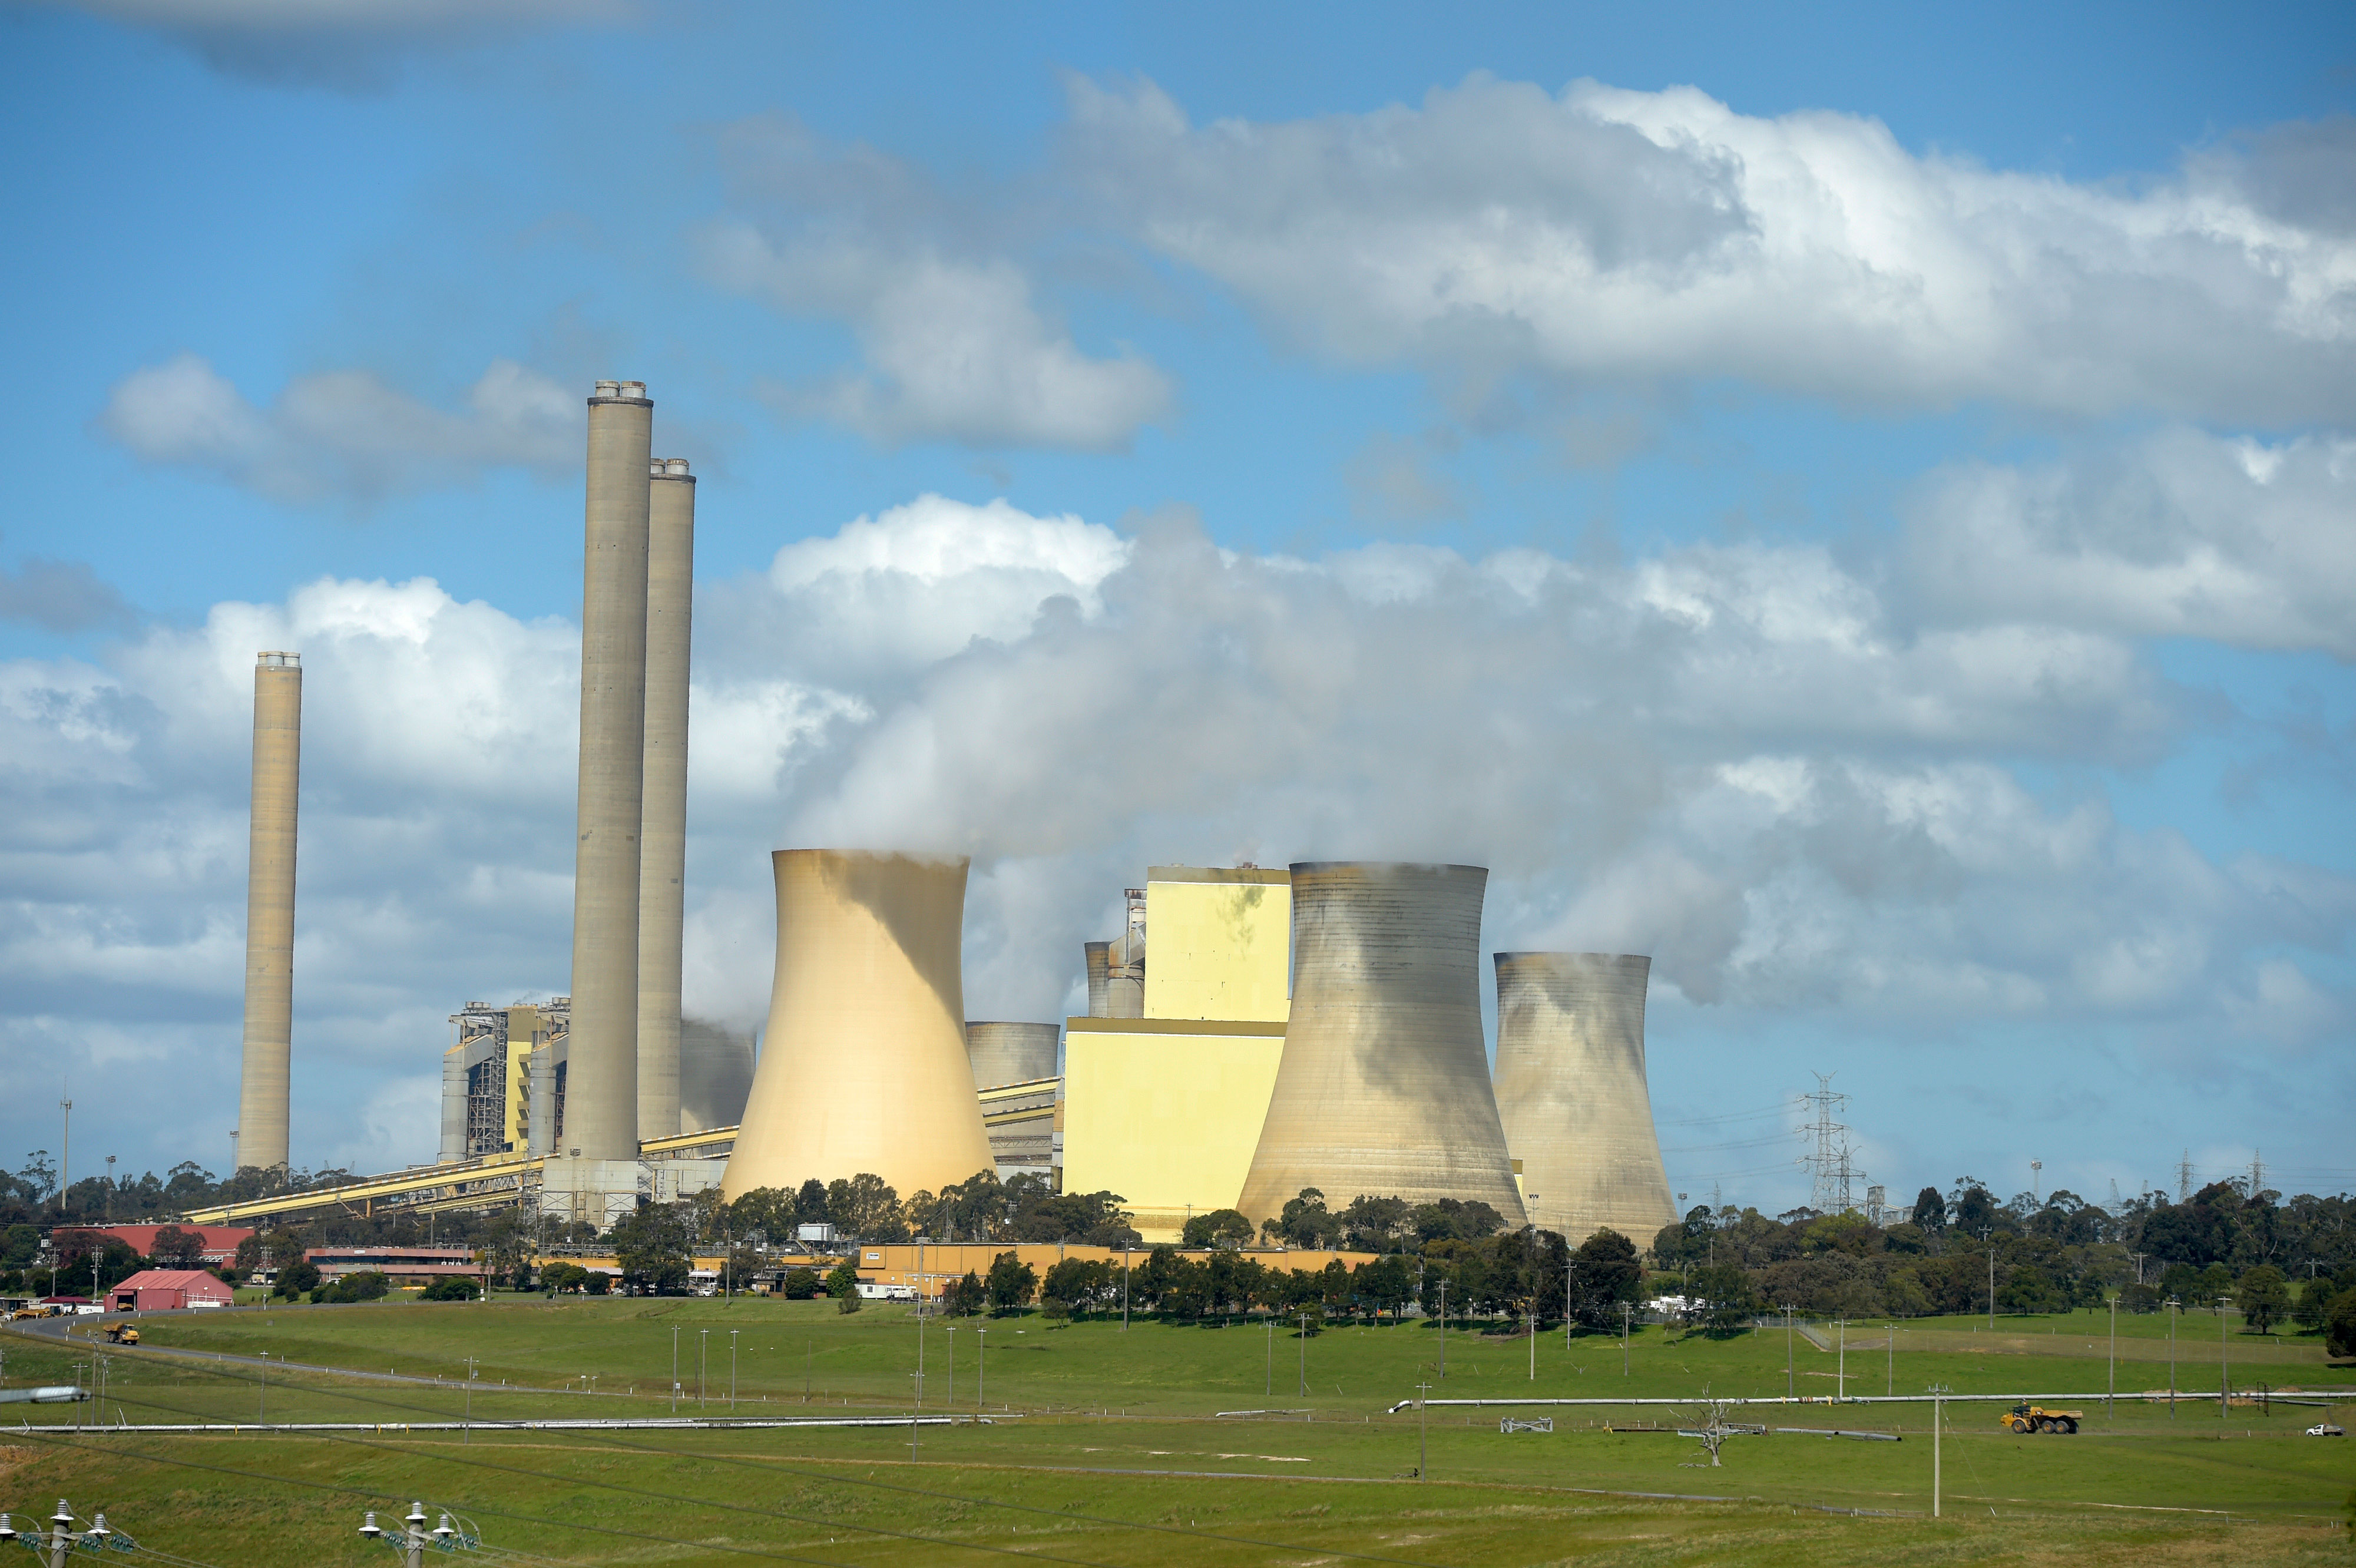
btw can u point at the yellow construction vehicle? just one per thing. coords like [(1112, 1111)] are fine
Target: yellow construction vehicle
[(122, 1334), (2037, 1418)]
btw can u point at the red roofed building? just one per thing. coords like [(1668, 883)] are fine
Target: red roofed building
[(167, 1290), (219, 1240)]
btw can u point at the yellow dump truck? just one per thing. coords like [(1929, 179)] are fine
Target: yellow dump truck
[(122, 1334), (2037, 1418)]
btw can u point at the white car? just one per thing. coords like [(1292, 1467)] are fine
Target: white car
[(2326, 1429)]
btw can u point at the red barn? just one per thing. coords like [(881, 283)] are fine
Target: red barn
[(166, 1290)]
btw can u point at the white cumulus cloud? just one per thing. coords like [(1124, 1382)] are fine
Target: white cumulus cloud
[(1604, 233)]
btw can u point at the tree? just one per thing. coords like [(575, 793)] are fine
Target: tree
[(1931, 1211), (867, 1208), (176, 1248), (1304, 1222), (1219, 1228), (2263, 1297), (1721, 1300), (368, 1284), (1010, 1282), (1072, 1283), (296, 1279), (843, 1285), (450, 1287), (800, 1284), (810, 1203), (651, 1245), (1604, 1272), (964, 1297), (2340, 1325), (2314, 1303)]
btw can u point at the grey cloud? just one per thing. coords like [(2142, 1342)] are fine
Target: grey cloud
[(2183, 534), (348, 45), (342, 436), (1606, 234), (957, 347), (62, 596)]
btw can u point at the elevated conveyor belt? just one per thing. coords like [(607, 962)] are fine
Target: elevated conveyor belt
[(493, 1181)]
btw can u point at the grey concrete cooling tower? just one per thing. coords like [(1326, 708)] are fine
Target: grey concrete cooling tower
[(601, 1111), (1383, 1086), (262, 1096), (1002, 1054), (662, 873), (1099, 963), (715, 1075), (863, 1064), (1572, 1091)]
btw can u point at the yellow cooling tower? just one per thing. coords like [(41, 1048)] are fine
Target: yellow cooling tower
[(863, 1066)]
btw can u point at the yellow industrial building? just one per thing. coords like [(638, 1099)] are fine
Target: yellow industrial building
[(1204, 1056)]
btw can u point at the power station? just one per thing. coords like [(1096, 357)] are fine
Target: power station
[(1312, 1027)]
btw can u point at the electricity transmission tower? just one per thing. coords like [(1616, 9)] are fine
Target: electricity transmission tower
[(1834, 1171)]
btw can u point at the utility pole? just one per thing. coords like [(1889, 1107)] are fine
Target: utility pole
[(1840, 1376), (1443, 1330), (1422, 1445), (1304, 1354), (2111, 1398), (1626, 1312), (2172, 1305), (980, 1366), (65, 1158), (1987, 1239), (732, 1371), (2224, 1373), (674, 1368), (1124, 1287), (2184, 1178), (1938, 1408), (1790, 1392), (1270, 1391), (1533, 1344), (703, 1344)]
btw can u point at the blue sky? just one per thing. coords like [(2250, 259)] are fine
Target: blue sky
[(1857, 506)]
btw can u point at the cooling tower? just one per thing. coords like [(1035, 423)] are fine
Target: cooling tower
[(863, 1064), (1570, 1088), (269, 910), (663, 861), (601, 1113), (1384, 1086), (715, 1076), (1002, 1054), (1099, 964)]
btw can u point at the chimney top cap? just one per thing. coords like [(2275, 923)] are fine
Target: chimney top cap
[(274, 661)]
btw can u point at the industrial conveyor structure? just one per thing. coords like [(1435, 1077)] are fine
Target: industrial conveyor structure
[(493, 1181)]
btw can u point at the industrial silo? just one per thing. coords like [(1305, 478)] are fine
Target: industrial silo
[(863, 1063), (1384, 1086), (1002, 1054), (1572, 1091)]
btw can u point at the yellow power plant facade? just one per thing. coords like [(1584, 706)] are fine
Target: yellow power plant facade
[(1203, 1058)]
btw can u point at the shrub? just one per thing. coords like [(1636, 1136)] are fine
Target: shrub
[(2340, 1325), (296, 1279), (368, 1284), (843, 1285), (450, 1287), (800, 1284)]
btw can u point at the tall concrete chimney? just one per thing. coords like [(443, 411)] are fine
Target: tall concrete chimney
[(863, 1066), (1383, 1090), (262, 1095), (671, 595), (1572, 1093), (601, 1113), (1099, 967)]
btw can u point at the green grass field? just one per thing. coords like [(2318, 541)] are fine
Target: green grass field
[(1110, 1447)]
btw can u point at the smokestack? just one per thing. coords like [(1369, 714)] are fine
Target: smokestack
[(1099, 963), (262, 1096), (1011, 1053), (1572, 1095), (670, 594), (1125, 960), (601, 1118), (863, 1064), (1384, 1086)]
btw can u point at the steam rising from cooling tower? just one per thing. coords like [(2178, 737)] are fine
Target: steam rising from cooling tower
[(601, 1120), (1572, 1091), (863, 1064), (670, 594), (1384, 1088), (261, 1099), (1002, 1054)]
